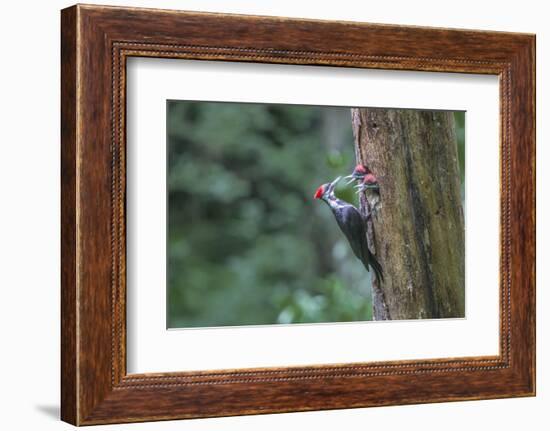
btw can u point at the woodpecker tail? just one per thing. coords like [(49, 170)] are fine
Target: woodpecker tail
[(376, 267)]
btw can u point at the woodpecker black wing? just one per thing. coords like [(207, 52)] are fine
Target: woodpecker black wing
[(351, 223), (353, 226)]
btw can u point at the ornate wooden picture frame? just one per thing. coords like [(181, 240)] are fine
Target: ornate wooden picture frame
[(96, 41)]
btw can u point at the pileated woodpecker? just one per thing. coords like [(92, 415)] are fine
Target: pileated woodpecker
[(365, 178), (369, 182), (352, 224)]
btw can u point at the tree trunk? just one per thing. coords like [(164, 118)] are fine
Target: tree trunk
[(416, 228)]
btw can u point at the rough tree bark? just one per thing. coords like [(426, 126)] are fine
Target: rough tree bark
[(416, 228)]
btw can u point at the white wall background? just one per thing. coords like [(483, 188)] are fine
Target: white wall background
[(29, 215)]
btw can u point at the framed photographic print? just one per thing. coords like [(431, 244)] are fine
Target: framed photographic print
[(265, 215)]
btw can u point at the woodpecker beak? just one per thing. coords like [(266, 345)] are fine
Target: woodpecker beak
[(332, 185), (353, 177)]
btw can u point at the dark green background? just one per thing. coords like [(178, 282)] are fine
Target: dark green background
[(247, 243)]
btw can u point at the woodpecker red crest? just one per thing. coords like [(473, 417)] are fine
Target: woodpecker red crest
[(359, 173), (319, 192), (360, 170), (370, 179)]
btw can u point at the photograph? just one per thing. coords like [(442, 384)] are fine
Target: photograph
[(293, 214)]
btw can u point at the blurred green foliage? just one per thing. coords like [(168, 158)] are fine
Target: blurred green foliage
[(247, 244)]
